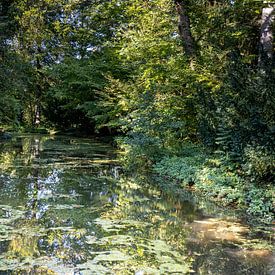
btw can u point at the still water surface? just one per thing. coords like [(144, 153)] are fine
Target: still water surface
[(67, 208)]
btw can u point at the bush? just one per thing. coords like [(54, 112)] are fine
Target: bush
[(180, 168), (259, 164), (261, 203)]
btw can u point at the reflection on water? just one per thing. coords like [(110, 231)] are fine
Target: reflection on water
[(66, 208)]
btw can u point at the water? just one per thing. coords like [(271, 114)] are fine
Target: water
[(66, 208)]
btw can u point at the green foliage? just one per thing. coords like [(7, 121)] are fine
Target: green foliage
[(194, 166), (120, 67), (68, 35), (160, 110), (261, 203), (259, 164), (180, 168), (75, 83), (247, 103), (113, 103), (85, 93)]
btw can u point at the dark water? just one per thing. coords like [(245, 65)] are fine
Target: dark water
[(66, 208)]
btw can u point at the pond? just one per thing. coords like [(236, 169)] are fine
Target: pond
[(67, 208)]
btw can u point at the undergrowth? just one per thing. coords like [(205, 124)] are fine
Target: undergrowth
[(221, 181)]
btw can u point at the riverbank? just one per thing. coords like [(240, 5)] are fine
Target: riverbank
[(209, 175), (200, 171)]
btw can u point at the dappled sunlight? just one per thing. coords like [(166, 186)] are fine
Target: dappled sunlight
[(261, 255), (211, 229), (67, 210)]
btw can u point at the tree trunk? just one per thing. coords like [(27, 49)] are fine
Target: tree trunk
[(38, 94), (266, 39), (184, 28)]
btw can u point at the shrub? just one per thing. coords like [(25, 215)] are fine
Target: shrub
[(261, 203), (259, 163)]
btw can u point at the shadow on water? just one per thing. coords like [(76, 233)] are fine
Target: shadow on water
[(66, 208)]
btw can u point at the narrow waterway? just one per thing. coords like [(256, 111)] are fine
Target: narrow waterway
[(67, 208)]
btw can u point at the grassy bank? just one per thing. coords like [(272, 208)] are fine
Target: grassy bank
[(236, 185)]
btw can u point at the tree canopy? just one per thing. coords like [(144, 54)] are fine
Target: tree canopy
[(157, 71)]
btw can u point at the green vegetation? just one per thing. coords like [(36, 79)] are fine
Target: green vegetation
[(207, 174), (66, 207), (162, 75)]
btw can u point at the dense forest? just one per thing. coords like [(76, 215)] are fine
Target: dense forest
[(186, 86)]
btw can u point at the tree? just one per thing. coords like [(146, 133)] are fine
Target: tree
[(184, 27), (11, 76), (266, 40)]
